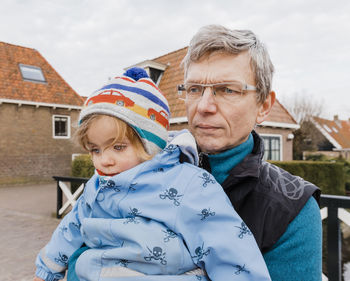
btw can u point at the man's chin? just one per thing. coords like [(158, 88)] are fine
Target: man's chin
[(209, 145)]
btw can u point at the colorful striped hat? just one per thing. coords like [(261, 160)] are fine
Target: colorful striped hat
[(135, 99)]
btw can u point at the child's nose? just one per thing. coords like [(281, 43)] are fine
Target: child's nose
[(107, 159)]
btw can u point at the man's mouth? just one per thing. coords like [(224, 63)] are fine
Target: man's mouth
[(206, 127)]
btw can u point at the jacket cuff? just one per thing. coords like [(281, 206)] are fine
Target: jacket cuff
[(48, 276)]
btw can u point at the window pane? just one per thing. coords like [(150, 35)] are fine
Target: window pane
[(32, 73), (275, 155), (61, 126), (155, 74), (272, 148), (274, 143)]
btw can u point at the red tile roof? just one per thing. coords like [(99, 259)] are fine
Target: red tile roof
[(335, 130), (12, 86), (173, 76)]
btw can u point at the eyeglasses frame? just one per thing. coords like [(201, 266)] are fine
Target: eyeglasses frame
[(245, 87)]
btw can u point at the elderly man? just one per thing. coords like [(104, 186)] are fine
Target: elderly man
[(227, 90), (228, 75)]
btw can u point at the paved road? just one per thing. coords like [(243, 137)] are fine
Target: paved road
[(27, 219)]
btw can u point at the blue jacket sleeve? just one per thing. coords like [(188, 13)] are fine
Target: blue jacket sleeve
[(52, 260), (297, 255), (134, 243), (217, 238)]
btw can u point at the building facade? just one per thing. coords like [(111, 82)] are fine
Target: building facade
[(328, 137), (38, 110)]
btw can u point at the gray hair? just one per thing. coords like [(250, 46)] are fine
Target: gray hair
[(213, 38)]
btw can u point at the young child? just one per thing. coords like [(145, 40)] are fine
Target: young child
[(141, 181)]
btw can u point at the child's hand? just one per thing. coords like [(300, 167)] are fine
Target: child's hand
[(37, 279)]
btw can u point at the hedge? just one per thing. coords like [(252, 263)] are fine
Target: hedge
[(82, 166), (329, 177)]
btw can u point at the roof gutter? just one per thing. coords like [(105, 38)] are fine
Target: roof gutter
[(280, 125), (38, 104)]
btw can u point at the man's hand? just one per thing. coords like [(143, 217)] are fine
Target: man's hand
[(37, 279)]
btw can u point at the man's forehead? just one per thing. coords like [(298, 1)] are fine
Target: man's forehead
[(219, 67)]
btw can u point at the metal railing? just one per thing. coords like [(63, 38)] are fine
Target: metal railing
[(332, 207)]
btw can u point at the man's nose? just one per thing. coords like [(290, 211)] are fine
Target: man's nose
[(207, 103)]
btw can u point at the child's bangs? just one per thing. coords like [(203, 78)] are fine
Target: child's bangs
[(121, 131)]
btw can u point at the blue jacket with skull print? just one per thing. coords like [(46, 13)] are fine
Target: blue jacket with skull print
[(163, 191)]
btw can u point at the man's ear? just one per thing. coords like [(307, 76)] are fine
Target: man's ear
[(265, 107)]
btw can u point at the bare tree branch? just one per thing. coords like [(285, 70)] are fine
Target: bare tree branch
[(302, 106)]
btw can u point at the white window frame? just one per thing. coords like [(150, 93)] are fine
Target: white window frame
[(75, 155), (68, 127), (281, 143)]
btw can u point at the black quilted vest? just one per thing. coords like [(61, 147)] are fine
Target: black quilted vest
[(266, 197)]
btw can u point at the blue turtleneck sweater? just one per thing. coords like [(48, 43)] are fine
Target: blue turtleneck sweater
[(283, 260), (221, 164)]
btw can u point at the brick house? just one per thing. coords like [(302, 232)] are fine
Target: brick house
[(277, 130), (328, 137), (37, 109)]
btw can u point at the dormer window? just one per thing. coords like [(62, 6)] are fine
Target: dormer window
[(155, 74), (154, 69), (31, 73)]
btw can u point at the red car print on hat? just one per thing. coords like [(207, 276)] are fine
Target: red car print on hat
[(161, 117), (111, 96)]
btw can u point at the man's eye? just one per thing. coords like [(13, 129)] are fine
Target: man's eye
[(194, 90), (228, 90)]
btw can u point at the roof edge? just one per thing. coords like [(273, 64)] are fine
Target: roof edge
[(149, 63), (325, 134), (141, 64), (20, 46), (287, 111), (59, 75), (178, 50), (279, 125), (38, 104)]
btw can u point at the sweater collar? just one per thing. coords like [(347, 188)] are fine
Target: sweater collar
[(222, 163)]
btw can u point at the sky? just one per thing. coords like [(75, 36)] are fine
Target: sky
[(88, 41)]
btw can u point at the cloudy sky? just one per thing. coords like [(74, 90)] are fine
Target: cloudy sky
[(87, 41)]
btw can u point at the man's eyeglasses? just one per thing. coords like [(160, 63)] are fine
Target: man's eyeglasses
[(222, 91)]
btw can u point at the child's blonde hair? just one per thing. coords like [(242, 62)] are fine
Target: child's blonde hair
[(123, 130)]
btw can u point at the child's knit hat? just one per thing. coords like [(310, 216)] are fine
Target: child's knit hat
[(135, 99)]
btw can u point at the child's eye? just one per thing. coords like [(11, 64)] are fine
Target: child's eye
[(94, 150), (119, 147)]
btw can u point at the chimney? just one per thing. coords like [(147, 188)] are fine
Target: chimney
[(336, 117)]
